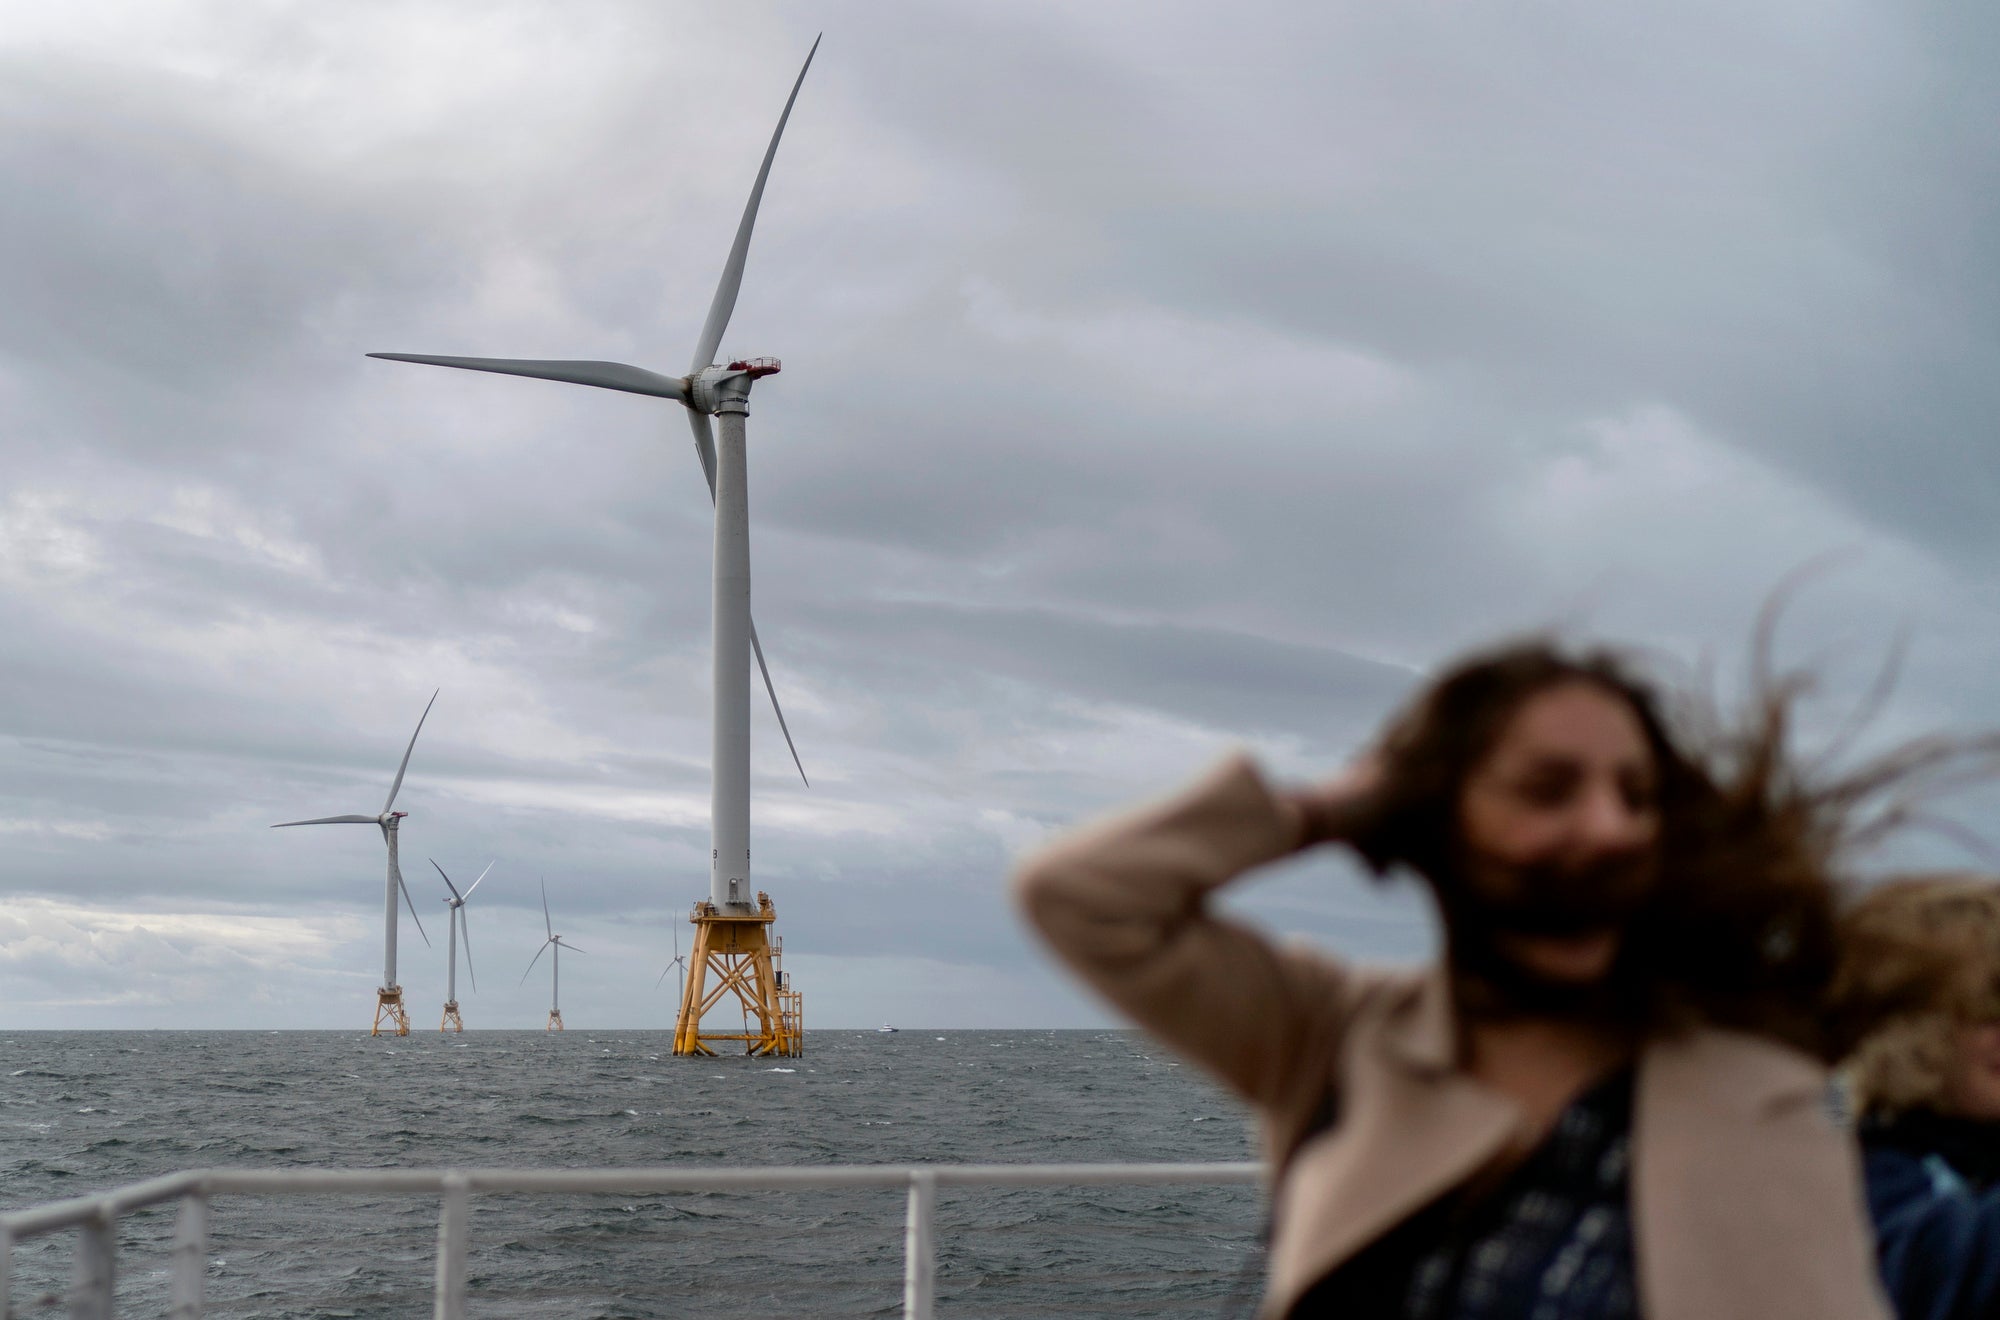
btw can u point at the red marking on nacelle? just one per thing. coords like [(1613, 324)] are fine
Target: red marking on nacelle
[(757, 367)]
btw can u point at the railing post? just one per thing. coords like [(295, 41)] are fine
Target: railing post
[(91, 1292), (189, 1298), (919, 1248), (453, 1225), (6, 1275)]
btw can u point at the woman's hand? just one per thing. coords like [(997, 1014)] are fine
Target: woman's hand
[(1330, 810)]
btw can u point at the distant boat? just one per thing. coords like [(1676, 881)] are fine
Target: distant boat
[(885, 1027)]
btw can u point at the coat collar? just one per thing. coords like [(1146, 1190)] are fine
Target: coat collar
[(1750, 1075), (1422, 1031)]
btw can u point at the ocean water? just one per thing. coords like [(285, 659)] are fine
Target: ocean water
[(85, 1111)]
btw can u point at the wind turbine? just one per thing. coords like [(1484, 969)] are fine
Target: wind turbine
[(455, 919), (554, 941), (709, 389), (677, 961), (389, 998)]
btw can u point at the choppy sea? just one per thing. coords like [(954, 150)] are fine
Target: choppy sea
[(85, 1111)]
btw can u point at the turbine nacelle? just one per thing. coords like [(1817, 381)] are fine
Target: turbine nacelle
[(712, 389)]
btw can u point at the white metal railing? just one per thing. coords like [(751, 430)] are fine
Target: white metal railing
[(96, 1217)]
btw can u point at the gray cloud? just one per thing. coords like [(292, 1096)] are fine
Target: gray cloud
[(1152, 384)]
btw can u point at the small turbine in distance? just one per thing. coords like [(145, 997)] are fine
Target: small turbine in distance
[(677, 961), (389, 998), (454, 920), (554, 941)]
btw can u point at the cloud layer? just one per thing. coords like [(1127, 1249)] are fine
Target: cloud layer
[(1152, 384)]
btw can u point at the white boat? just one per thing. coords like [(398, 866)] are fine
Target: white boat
[(885, 1027)]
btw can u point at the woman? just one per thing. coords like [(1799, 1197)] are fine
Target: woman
[(1921, 956), (1602, 1101)]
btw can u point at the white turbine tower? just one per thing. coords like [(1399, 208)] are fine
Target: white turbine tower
[(389, 998), (742, 954), (554, 941), (454, 920)]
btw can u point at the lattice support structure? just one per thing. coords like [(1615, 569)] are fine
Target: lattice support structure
[(555, 1020), (390, 1017), (737, 950), (452, 1021)]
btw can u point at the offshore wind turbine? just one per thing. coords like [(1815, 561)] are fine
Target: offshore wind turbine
[(555, 942), (733, 923), (454, 919), (676, 961), (389, 996)]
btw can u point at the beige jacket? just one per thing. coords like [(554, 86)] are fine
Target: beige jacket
[(1746, 1199)]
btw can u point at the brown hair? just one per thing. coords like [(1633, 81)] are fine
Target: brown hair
[(1741, 930), (1920, 956)]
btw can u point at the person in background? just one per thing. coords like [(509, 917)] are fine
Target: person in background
[(1921, 962), (1606, 1098)]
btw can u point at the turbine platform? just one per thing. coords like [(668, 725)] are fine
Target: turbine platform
[(389, 1010), (555, 1020), (452, 1022), (749, 964)]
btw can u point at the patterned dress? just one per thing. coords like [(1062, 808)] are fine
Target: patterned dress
[(1553, 1241)]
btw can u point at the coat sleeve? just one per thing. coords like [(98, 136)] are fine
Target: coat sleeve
[(1125, 904), (1938, 1240)]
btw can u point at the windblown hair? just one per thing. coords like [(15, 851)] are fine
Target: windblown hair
[(1920, 956), (1741, 928)]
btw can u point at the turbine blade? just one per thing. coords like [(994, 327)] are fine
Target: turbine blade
[(412, 906), (397, 787), (757, 648), (602, 375), (330, 820), (447, 880), (663, 976), (532, 961), (732, 270), (465, 931), (704, 447), (563, 943), (547, 928), (475, 884)]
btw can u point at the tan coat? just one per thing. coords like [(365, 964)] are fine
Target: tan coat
[(1746, 1199)]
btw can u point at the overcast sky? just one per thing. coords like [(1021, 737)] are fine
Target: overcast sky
[(1154, 382)]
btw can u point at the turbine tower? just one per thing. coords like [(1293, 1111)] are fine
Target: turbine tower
[(389, 996), (732, 925), (454, 919), (554, 941)]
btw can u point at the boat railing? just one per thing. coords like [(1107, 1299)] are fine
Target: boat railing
[(92, 1294)]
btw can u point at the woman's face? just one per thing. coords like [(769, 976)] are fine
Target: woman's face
[(1567, 794), (1974, 1087)]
